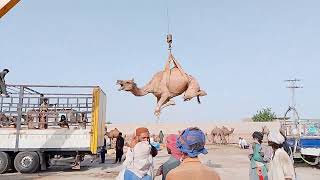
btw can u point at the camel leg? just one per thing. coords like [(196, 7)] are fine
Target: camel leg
[(169, 103), (223, 139), (164, 99), (219, 139)]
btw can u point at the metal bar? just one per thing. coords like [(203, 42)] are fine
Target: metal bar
[(10, 104), (32, 90), (28, 103), (310, 119), (19, 119), (87, 104), (1, 104), (78, 104), (56, 86), (11, 89), (55, 94)]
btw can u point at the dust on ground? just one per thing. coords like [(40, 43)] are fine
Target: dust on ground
[(229, 161)]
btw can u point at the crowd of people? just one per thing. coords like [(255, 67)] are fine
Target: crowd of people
[(183, 162), (270, 162)]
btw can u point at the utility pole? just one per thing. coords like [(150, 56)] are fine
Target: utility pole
[(293, 86)]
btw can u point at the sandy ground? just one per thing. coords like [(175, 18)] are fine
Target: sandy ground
[(229, 161)]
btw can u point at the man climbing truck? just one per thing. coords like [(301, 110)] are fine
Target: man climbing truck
[(27, 147)]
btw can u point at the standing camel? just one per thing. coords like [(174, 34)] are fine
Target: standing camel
[(226, 132), (265, 131), (217, 132), (113, 134)]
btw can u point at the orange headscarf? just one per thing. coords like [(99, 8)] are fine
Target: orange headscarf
[(141, 130)]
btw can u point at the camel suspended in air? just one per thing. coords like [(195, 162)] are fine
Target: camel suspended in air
[(166, 85)]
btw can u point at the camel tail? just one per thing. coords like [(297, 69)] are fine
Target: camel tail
[(198, 98)]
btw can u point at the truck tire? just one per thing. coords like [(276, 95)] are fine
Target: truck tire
[(27, 162), (5, 162)]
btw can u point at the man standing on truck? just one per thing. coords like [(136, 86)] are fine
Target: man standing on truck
[(43, 114), (3, 88)]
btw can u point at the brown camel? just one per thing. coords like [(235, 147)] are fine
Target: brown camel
[(217, 132), (265, 131), (226, 132), (113, 134), (166, 85)]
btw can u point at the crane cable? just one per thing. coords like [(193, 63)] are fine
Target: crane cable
[(167, 72)]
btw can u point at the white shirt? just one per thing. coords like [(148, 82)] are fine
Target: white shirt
[(281, 166), (138, 160), (242, 143)]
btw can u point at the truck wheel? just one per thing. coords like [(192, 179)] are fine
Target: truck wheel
[(27, 162), (5, 162)]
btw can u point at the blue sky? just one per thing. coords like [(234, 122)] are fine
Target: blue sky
[(240, 51)]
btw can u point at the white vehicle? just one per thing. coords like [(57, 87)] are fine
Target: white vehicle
[(33, 132)]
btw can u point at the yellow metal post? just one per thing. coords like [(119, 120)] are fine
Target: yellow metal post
[(95, 119), (98, 119)]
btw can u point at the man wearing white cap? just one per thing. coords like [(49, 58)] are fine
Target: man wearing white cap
[(281, 166)]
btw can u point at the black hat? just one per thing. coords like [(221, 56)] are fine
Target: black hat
[(6, 70)]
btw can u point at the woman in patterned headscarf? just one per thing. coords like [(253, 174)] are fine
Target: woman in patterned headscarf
[(258, 158), (174, 160)]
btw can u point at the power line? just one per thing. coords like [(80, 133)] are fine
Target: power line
[(168, 18)]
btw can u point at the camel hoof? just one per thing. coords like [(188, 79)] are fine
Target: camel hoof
[(157, 113)]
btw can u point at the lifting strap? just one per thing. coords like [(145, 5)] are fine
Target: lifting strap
[(167, 68)]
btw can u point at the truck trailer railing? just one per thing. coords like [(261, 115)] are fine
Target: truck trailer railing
[(47, 123)]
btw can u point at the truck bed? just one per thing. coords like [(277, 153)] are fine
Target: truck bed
[(55, 139)]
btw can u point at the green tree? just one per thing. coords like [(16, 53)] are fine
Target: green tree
[(264, 115)]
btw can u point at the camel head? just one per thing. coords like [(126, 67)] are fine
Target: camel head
[(126, 85), (232, 130), (265, 130)]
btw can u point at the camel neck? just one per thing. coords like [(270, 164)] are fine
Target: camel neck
[(138, 92)]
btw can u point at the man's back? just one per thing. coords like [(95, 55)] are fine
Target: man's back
[(192, 169), (281, 166), (120, 142)]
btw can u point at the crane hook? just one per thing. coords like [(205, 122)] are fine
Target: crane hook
[(169, 41)]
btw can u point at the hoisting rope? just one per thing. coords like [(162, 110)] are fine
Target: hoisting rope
[(171, 59)]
